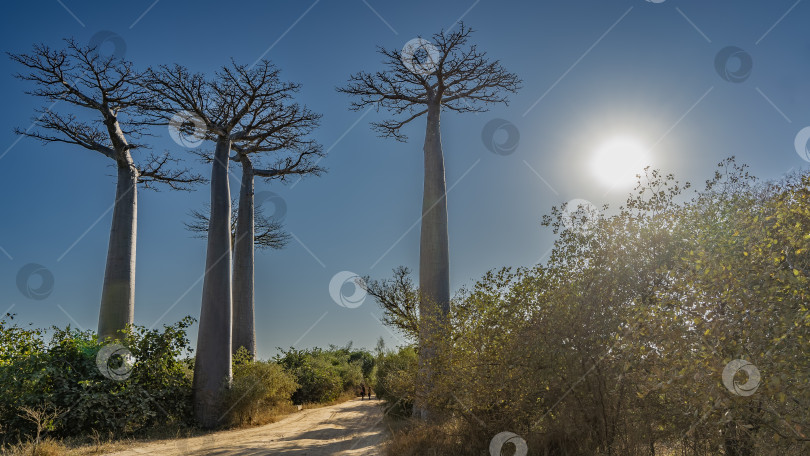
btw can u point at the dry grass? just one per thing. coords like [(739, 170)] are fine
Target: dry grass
[(341, 399), (46, 447), (99, 445), (273, 414), (265, 416), (103, 445), (411, 438)]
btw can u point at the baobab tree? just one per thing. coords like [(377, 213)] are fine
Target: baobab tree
[(294, 155), (238, 106), (95, 103), (269, 233), (422, 80)]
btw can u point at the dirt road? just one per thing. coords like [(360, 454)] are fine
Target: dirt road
[(352, 428)]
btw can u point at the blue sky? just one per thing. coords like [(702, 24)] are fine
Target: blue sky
[(592, 70)]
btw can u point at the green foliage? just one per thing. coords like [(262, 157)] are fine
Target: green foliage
[(52, 383), (323, 375), (59, 371), (365, 361), (256, 387), (396, 376)]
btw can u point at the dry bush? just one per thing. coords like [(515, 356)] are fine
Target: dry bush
[(46, 447), (260, 390), (418, 439)]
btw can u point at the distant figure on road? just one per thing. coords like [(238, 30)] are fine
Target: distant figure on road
[(362, 392), (369, 393)]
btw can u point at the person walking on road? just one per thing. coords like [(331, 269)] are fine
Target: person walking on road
[(362, 392)]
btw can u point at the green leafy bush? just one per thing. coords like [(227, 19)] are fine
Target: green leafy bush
[(319, 381), (395, 379), (323, 375), (111, 392)]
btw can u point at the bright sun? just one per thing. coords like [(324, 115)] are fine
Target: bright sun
[(618, 160)]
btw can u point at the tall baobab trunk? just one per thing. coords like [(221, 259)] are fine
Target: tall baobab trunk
[(212, 367), (244, 330), (434, 262), (118, 292)]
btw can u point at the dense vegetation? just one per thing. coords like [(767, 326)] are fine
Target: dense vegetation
[(624, 342), (60, 381), (323, 375), (66, 383)]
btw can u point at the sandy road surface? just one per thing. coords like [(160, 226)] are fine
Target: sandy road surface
[(352, 428)]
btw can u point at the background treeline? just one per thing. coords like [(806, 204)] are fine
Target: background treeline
[(617, 345), (53, 383)]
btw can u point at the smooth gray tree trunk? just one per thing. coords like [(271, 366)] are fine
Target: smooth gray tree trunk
[(434, 259), (212, 367), (118, 292), (244, 329)]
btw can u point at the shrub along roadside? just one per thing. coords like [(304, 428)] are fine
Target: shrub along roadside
[(63, 384), (258, 390), (324, 375), (89, 386), (673, 325), (396, 376)]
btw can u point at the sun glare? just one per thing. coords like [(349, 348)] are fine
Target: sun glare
[(618, 161)]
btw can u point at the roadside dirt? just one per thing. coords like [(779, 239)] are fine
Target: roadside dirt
[(353, 428)]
